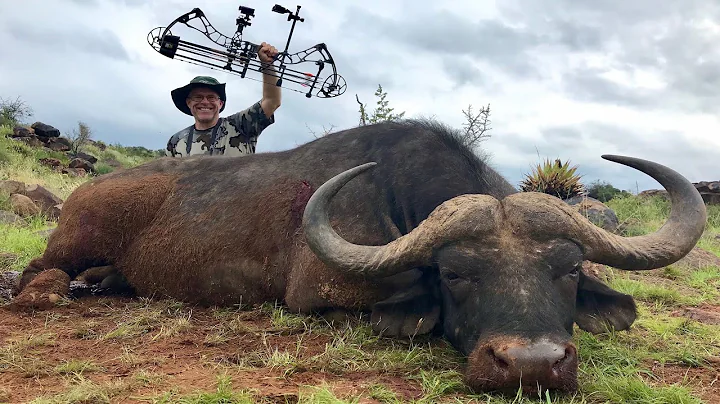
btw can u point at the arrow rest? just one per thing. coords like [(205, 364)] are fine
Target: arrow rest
[(239, 57)]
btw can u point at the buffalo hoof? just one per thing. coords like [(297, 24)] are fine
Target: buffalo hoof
[(43, 292)]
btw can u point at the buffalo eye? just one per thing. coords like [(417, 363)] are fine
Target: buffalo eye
[(451, 276)]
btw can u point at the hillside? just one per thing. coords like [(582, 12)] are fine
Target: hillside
[(94, 348)]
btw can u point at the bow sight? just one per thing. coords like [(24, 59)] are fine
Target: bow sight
[(239, 56), (244, 19)]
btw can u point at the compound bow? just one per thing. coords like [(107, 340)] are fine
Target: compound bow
[(239, 56)]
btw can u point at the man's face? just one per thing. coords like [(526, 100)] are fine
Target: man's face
[(204, 104)]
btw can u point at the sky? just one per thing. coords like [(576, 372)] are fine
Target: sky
[(568, 79)]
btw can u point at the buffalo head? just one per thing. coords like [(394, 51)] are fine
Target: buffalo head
[(509, 276)]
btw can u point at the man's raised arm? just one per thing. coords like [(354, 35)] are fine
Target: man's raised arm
[(271, 92)]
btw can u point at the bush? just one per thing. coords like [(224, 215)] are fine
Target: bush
[(553, 178), (603, 191)]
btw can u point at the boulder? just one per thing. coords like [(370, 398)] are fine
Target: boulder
[(74, 172), (45, 130), (705, 186), (60, 144), (597, 212), (23, 206), (32, 141), (12, 187), (21, 131), (88, 157), (55, 164), (711, 198), (709, 191), (41, 196), (81, 163), (11, 218)]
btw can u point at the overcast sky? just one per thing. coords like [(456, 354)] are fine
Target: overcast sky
[(569, 79)]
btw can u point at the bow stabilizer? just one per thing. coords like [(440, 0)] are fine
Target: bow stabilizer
[(239, 57)]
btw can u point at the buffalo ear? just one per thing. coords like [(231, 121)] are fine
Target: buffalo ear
[(413, 311), (599, 308)]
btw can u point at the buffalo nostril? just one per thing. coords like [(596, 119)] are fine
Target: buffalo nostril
[(569, 359), (499, 357)]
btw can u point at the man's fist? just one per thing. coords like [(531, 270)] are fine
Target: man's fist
[(267, 52)]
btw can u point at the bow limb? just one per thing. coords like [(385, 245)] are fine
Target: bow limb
[(332, 86)]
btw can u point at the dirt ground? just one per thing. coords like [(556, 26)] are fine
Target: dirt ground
[(128, 350), (137, 351)]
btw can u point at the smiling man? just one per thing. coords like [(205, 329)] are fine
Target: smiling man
[(204, 98)]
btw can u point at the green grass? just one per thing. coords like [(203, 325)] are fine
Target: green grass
[(20, 162), (23, 242)]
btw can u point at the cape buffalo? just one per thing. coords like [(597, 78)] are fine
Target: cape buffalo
[(398, 219)]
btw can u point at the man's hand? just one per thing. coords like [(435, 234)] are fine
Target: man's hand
[(267, 52)]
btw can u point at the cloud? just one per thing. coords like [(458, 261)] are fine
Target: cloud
[(66, 40), (650, 54)]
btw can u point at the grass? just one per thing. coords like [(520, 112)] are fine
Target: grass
[(137, 349)]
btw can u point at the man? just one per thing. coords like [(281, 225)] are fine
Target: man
[(204, 98)]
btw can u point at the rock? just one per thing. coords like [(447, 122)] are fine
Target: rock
[(23, 206), (12, 187), (88, 157), (45, 199), (711, 198), (31, 141), (99, 145), (74, 172), (45, 130), (11, 218), (698, 258), (708, 186), (597, 212), (21, 131), (60, 144), (81, 163), (55, 164)]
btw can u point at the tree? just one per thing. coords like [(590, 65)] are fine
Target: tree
[(476, 126), (325, 131), (381, 113), (13, 112), (79, 137)]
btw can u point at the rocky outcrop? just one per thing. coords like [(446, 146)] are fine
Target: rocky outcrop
[(709, 191), (40, 134), (28, 200)]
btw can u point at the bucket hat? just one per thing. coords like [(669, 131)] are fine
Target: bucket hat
[(179, 95)]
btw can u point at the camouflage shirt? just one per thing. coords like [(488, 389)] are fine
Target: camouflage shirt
[(235, 135)]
